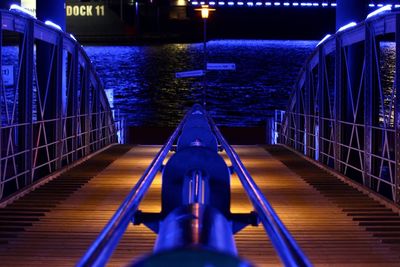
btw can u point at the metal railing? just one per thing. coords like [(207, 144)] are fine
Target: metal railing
[(53, 111), (102, 248), (283, 242), (343, 110)]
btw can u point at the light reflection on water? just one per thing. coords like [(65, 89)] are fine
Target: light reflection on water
[(147, 92)]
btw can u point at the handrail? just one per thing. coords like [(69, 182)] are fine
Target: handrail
[(102, 248), (63, 112), (343, 111), (285, 245)]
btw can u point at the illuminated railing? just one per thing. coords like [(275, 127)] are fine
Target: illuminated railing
[(343, 111), (53, 113)]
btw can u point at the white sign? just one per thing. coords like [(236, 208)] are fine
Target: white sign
[(192, 73), (221, 66), (8, 75), (29, 5)]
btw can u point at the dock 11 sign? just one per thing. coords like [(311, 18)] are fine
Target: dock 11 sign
[(8, 75)]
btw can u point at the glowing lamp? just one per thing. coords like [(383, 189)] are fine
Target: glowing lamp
[(205, 11)]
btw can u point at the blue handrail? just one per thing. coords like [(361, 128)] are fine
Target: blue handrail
[(285, 245), (102, 248)]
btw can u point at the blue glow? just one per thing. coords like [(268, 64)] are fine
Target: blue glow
[(295, 4), (211, 3), (286, 4), (277, 4), (324, 4), (347, 26), (258, 4), (73, 37), (221, 3), (17, 8), (240, 3), (202, 3), (396, 6), (371, 5), (268, 3), (324, 39), (379, 11), (53, 25), (231, 3), (380, 5), (194, 3), (315, 4), (333, 4), (250, 3)]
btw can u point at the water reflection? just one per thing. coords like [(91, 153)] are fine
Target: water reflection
[(146, 90)]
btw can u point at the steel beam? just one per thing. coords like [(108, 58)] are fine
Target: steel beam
[(339, 95), (321, 103), (396, 189), (368, 105), (25, 96)]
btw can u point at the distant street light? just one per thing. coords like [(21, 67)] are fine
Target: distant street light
[(205, 12)]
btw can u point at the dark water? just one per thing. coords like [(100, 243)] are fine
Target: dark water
[(148, 94)]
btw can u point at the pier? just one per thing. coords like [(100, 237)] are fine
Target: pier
[(325, 190)]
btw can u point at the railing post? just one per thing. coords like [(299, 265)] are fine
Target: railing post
[(73, 96), (98, 133), (1, 123), (321, 102), (297, 135), (368, 104), (396, 191), (59, 102), (338, 104), (25, 95), (85, 109), (307, 112)]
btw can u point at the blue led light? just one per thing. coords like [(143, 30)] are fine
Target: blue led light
[(240, 3), (286, 4), (295, 4), (250, 3), (333, 4), (194, 3), (221, 3), (258, 4), (315, 4), (268, 3), (324, 39), (396, 6), (324, 4), (277, 4), (371, 5), (211, 3), (379, 11), (202, 3), (380, 5), (73, 37), (231, 3), (53, 25), (347, 26)]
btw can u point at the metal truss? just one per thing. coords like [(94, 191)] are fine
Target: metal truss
[(343, 110), (53, 108)]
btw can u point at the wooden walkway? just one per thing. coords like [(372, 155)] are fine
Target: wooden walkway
[(334, 223)]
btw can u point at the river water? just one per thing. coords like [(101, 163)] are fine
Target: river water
[(147, 93)]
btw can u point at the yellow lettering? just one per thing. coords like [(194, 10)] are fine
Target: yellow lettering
[(69, 10), (83, 11)]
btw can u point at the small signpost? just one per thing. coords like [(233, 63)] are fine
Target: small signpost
[(221, 66), (188, 74), (8, 75)]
